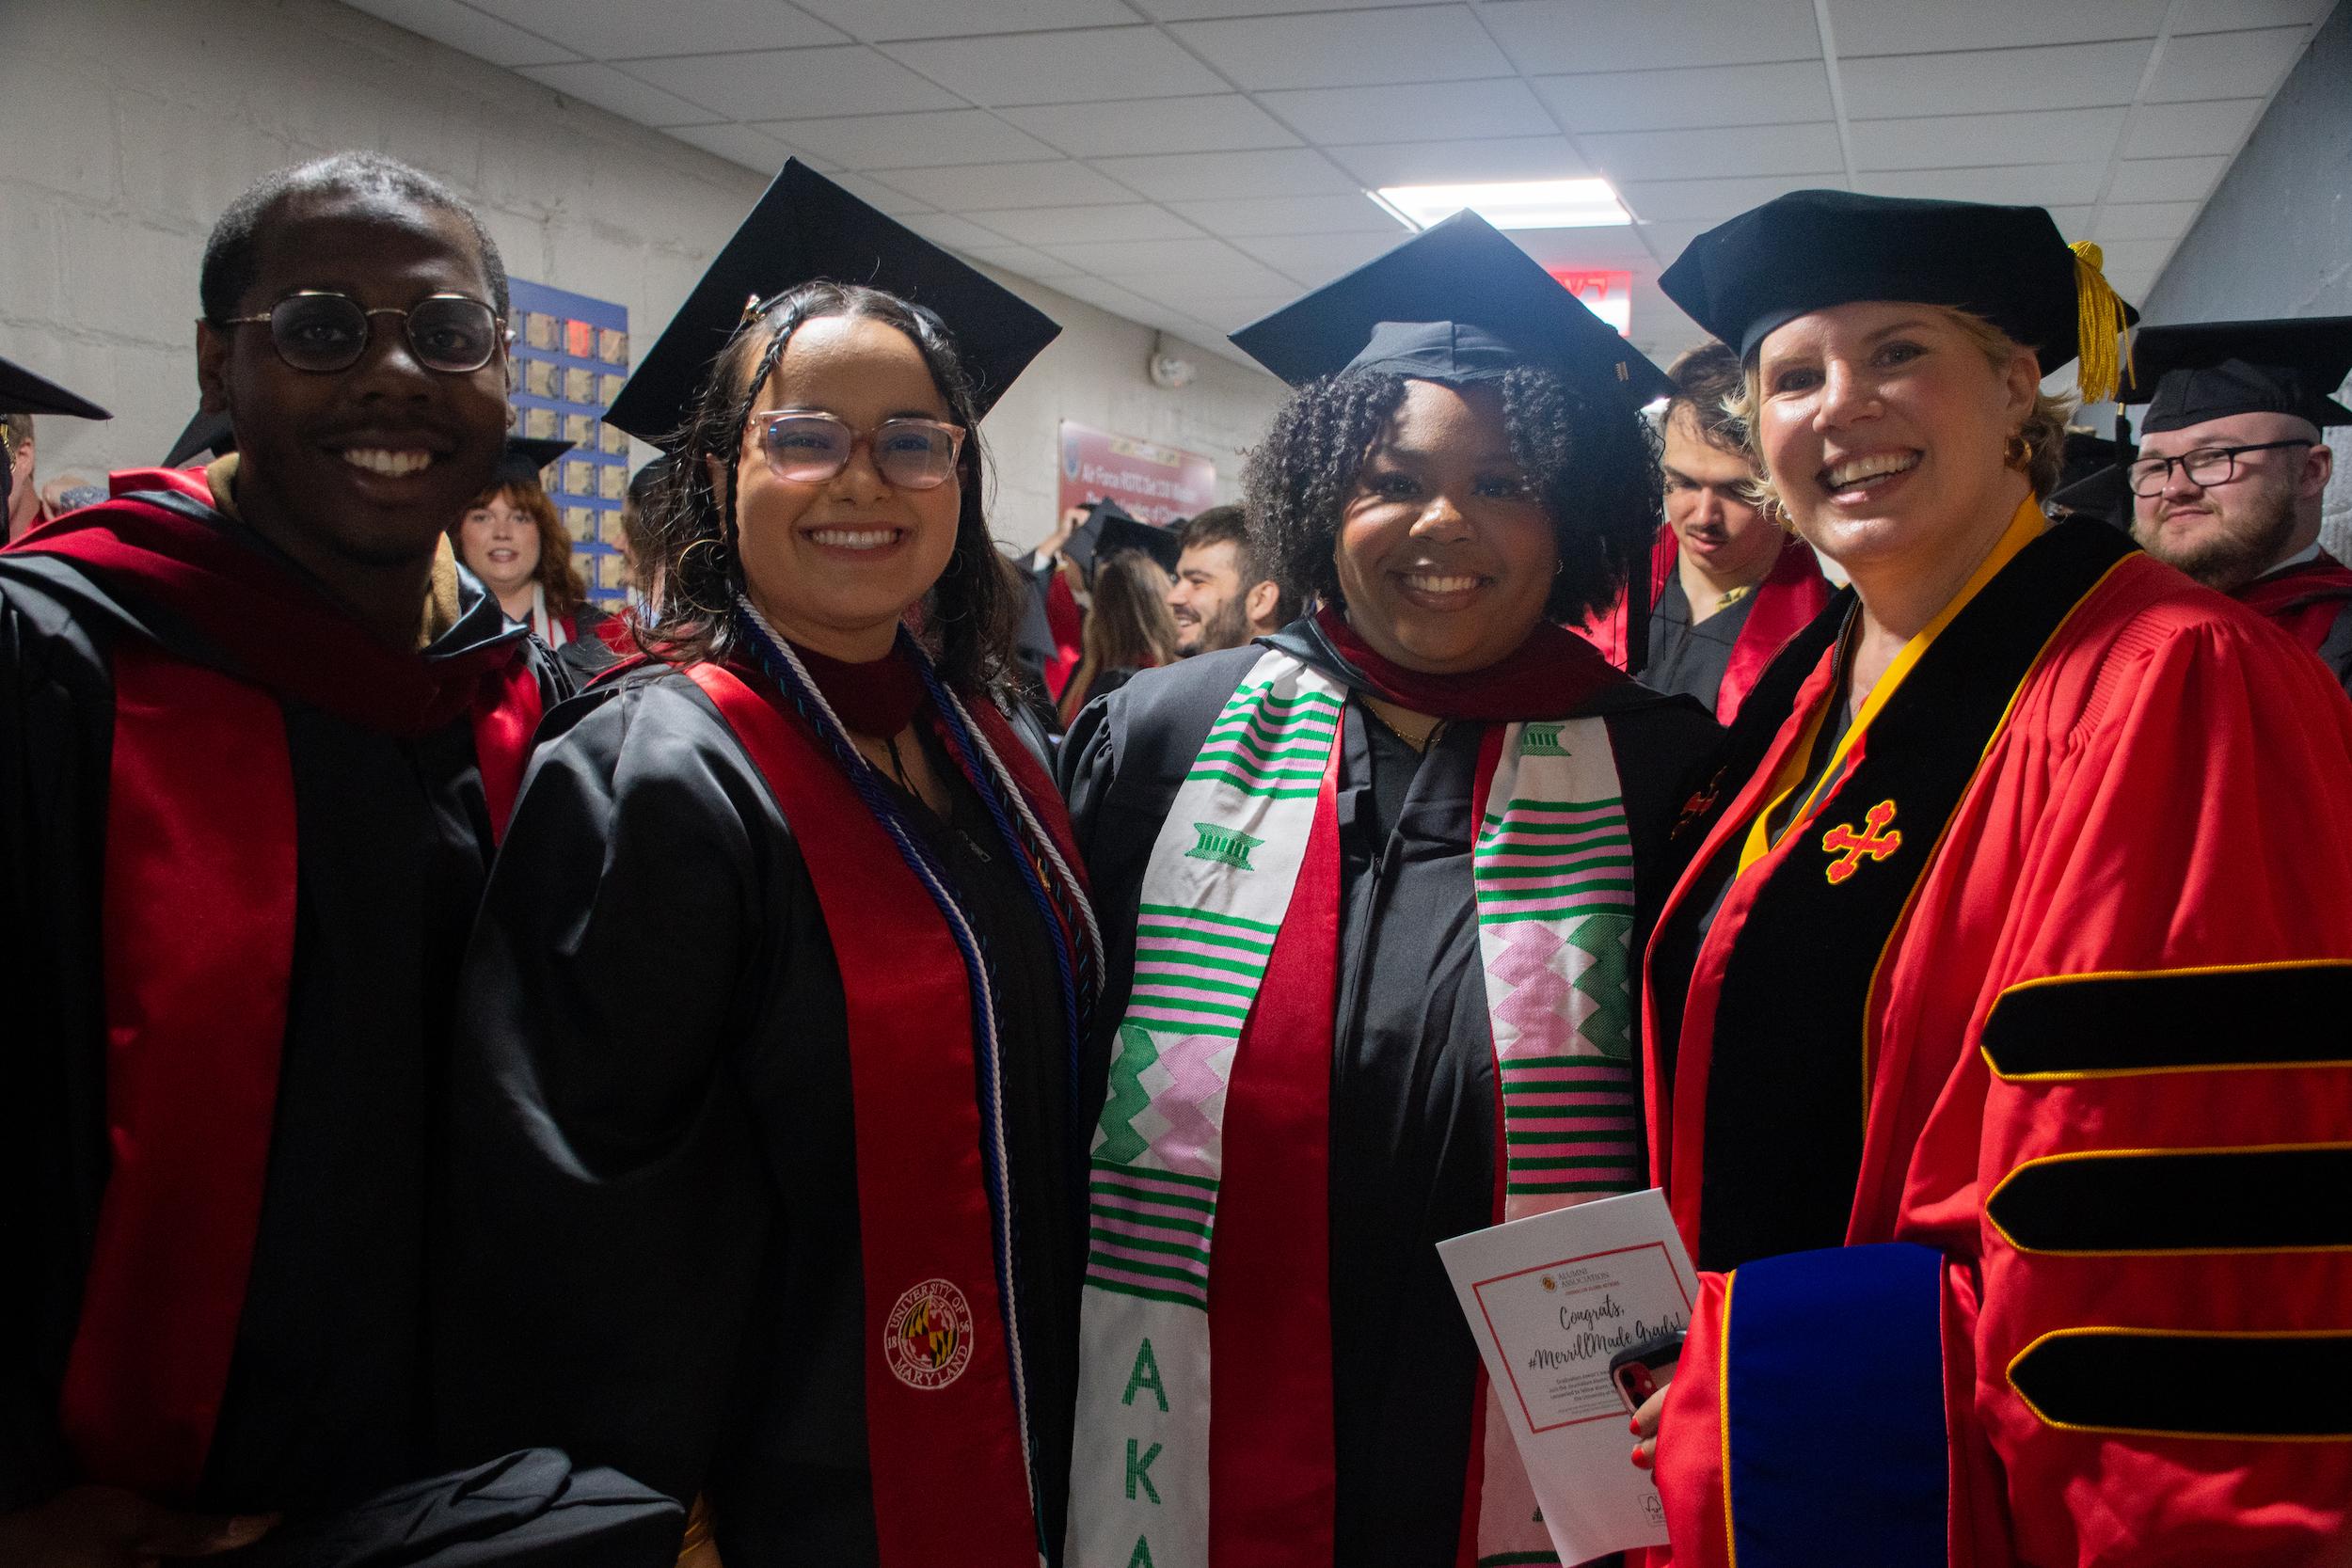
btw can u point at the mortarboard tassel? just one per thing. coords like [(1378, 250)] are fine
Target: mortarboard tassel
[(2100, 326)]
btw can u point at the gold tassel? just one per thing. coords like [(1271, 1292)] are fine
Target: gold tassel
[(2100, 326)]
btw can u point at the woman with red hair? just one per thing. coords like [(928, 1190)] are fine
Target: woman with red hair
[(513, 540)]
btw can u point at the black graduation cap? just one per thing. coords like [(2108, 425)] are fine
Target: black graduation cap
[(1809, 250), (2210, 369), (1458, 302), (206, 435), (1110, 527), (23, 392), (525, 458), (2092, 482), (806, 228)]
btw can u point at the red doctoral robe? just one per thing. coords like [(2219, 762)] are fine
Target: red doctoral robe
[(2047, 979), (1791, 593), (2312, 602)]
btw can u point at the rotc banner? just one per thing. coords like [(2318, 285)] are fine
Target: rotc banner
[(1155, 483)]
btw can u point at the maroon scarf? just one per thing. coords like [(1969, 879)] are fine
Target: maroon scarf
[(1551, 674)]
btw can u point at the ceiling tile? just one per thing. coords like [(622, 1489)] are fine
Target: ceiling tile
[(1206, 176), (1058, 183), (1105, 297), (1240, 217), (878, 196), (1995, 81), (626, 96), (1912, 26), (1711, 201), (1451, 162), (1193, 300), (1787, 93), (2034, 184), (2147, 220), (675, 28), (1416, 43), (1102, 65), (948, 230), (904, 141), (2191, 130), (1549, 37), (741, 144), (2141, 258), (2074, 221), (2226, 64), (1117, 258), (1021, 258), (1220, 122), (2210, 16), (1667, 239), (1716, 154), (1040, 226), (2164, 178), (1959, 141), (1197, 10), (1330, 115), (796, 84), (465, 28), (1620, 246), (1316, 259), (876, 20)]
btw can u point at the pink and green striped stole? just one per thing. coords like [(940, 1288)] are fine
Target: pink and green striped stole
[(1235, 968)]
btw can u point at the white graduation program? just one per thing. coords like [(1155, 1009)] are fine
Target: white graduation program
[(1550, 1299)]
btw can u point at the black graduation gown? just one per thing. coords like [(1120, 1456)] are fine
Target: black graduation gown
[(587, 654), (654, 1252), (1412, 1068), (1687, 659), (325, 1391)]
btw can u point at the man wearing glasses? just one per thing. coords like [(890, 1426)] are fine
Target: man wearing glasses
[(258, 734), (2232, 469)]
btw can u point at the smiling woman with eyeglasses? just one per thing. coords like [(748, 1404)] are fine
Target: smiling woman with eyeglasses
[(765, 1106)]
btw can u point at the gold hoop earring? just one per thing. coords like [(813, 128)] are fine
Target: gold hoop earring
[(2018, 452), (681, 575)]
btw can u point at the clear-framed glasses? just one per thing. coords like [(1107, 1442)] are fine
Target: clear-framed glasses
[(323, 331), (811, 448), (2206, 466)]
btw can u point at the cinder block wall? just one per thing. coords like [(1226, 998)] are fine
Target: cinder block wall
[(131, 125)]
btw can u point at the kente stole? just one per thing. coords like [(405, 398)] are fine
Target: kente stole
[(1208, 1250)]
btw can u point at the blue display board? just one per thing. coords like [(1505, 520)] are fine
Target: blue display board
[(571, 354)]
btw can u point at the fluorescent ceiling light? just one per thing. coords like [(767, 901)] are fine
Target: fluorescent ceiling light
[(1509, 204)]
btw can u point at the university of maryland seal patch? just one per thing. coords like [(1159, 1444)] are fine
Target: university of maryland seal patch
[(927, 1340)]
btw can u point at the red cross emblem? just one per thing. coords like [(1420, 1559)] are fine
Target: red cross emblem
[(1849, 846)]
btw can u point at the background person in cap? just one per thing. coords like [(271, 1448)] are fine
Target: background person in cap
[(765, 1102), (1281, 837), (1728, 585), (2231, 470), (1221, 599), (22, 394), (1059, 574), (512, 539), (1997, 1009), (258, 734)]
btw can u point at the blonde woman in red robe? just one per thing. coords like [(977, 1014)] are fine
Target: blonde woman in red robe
[(1998, 1083)]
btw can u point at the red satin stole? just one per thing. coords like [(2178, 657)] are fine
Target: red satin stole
[(944, 1444), (197, 921), (1791, 593), (2305, 600), (1069, 629)]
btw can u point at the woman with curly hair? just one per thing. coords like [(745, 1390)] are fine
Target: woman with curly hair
[(764, 1123), (513, 540), (1990, 1087), (1375, 884)]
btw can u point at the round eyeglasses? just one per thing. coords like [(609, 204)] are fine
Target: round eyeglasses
[(809, 449), (322, 331), (2206, 466)]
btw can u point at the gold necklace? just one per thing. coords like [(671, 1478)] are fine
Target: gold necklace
[(1422, 745)]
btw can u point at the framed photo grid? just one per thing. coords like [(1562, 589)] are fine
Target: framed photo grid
[(571, 356)]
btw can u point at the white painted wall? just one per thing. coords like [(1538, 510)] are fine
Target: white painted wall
[(130, 124)]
